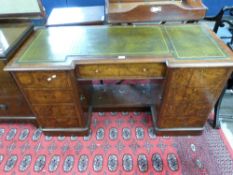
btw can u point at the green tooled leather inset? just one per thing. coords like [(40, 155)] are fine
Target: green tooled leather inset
[(184, 42), (55, 44), (193, 42)]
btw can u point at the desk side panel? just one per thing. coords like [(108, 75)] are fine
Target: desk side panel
[(12, 102)]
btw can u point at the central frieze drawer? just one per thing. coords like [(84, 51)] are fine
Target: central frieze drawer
[(44, 79), (49, 96), (121, 70)]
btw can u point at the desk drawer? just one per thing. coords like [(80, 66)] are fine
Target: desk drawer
[(62, 110), (49, 96), (5, 76), (14, 107), (198, 77), (189, 122), (185, 109), (194, 95), (42, 79), (58, 122), (9, 89), (121, 70)]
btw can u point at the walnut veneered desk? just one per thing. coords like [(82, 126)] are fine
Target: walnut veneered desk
[(185, 68)]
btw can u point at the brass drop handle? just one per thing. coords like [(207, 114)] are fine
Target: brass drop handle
[(51, 77), (144, 69), (3, 107), (54, 76), (96, 71)]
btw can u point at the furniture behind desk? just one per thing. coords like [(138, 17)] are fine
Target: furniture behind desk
[(183, 67), (76, 16), (13, 106)]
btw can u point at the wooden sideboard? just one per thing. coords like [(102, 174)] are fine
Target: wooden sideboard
[(176, 71), (133, 11), (13, 105)]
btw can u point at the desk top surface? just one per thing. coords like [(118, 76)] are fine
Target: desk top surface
[(10, 36), (62, 47)]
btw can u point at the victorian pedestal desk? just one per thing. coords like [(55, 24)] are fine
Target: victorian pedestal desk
[(184, 68)]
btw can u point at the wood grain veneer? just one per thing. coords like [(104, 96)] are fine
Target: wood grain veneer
[(117, 71)]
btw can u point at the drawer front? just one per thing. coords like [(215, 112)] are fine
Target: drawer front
[(5, 76), (194, 95), (121, 70), (57, 122), (43, 79), (63, 110), (208, 77), (185, 109), (13, 107), (189, 122), (198, 77), (9, 89), (49, 96)]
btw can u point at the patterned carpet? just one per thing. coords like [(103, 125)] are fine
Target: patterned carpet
[(119, 143)]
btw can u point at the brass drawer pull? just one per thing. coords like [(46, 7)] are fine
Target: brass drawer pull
[(51, 77), (144, 69), (3, 107), (54, 76), (96, 71), (156, 9)]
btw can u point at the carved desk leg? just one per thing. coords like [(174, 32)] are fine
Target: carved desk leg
[(188, 98)]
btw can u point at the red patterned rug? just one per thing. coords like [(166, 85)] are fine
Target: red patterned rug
[(120, 143)]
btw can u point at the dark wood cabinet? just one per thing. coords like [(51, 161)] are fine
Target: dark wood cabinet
[(12, 102), (131, 11)]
